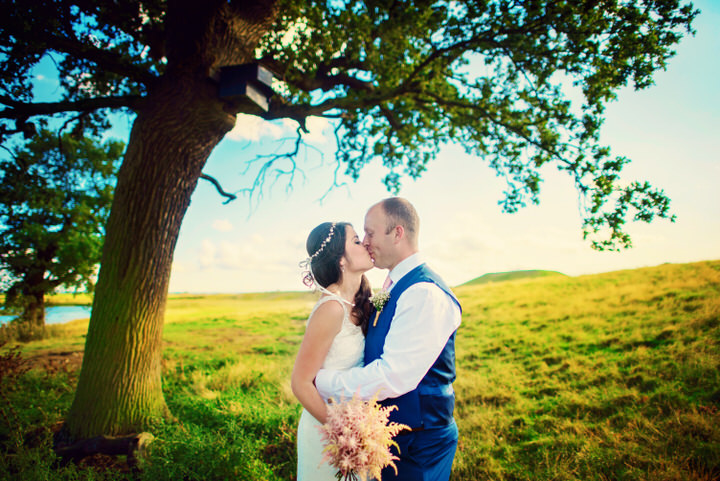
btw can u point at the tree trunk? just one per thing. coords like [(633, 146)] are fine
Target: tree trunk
[(33, 297), (119, 389), (34, 314)]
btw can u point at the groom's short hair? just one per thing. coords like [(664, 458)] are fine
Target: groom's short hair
[(401, 212)]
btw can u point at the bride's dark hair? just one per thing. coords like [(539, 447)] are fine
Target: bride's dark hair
[(326, 266)]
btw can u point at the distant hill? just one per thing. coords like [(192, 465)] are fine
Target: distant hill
[(510, 276)]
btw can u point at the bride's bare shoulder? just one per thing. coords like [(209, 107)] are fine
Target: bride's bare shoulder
[(328, 310)]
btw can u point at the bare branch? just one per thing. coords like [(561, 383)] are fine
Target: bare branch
[(338, 166), (12, 154), (272, 171), (221, 191), (269, 162)]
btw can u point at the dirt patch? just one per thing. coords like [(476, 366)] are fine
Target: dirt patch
[(54, 361)]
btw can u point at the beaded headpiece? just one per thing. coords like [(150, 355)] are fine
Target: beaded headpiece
[(306, 265)]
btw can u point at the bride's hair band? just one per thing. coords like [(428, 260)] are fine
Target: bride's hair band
[(324, 242), (306, 264)]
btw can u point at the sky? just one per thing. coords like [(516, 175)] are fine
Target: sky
[(671, 131)]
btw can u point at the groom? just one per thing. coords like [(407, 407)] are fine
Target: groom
[(409, 349)]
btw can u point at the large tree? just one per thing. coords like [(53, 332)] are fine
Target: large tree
[(55, 195), (400, 79)]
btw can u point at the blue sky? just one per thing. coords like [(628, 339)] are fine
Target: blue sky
[(671, 132)]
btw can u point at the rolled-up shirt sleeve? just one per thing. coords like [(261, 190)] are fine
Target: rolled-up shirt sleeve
[(425, 318)]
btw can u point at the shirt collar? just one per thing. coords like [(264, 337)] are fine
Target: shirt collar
[(405, 266)]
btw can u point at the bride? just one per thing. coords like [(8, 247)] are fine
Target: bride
[(335, 333)]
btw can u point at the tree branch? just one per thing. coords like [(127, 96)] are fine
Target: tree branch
[(105, 59), (391, 118), (328, 82), (23, 110), (510, 128), (322, 79), (279, 110), (270, 170), (12, 154), (221, 191)]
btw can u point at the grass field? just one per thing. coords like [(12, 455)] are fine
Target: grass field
[(602, 377), (510, 276)]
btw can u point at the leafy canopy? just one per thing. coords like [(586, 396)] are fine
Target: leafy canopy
[(400, 79), (55, 196)]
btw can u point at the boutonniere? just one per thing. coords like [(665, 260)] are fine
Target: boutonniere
[(379, 299)]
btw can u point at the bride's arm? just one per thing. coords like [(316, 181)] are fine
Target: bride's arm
[(321, 329)]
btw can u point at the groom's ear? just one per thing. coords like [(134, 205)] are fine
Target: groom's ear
[(399, 232)]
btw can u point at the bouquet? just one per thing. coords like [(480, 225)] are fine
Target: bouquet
[(357, 438)]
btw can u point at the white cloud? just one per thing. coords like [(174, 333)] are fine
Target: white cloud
[(255, 254), (207, 253), (222, 225), (319, 130), (250, 127)]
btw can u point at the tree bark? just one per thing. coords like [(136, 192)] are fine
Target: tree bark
[(119, 389), (134, 446), (33, 292), (34, 314)]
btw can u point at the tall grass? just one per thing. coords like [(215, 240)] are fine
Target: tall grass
[(19, 331), (611, 376)]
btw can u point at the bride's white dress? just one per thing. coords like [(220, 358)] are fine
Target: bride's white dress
[(345, 352)]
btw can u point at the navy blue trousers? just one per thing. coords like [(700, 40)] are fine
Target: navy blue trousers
[(424, 455)]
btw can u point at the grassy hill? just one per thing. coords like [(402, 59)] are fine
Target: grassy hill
[(602, 377), (510, 276)]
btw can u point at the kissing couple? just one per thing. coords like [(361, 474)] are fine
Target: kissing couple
[(405, 354)]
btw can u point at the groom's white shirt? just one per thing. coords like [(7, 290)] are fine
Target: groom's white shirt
[(425, 318)]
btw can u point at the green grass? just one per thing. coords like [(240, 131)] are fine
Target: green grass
[(602, 377), (65, 299)]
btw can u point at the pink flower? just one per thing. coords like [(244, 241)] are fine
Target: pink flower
[(358, 437)]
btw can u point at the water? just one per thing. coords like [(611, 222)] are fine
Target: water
[(59, 314)]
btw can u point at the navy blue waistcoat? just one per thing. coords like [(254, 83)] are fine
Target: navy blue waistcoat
[(432, 403)]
